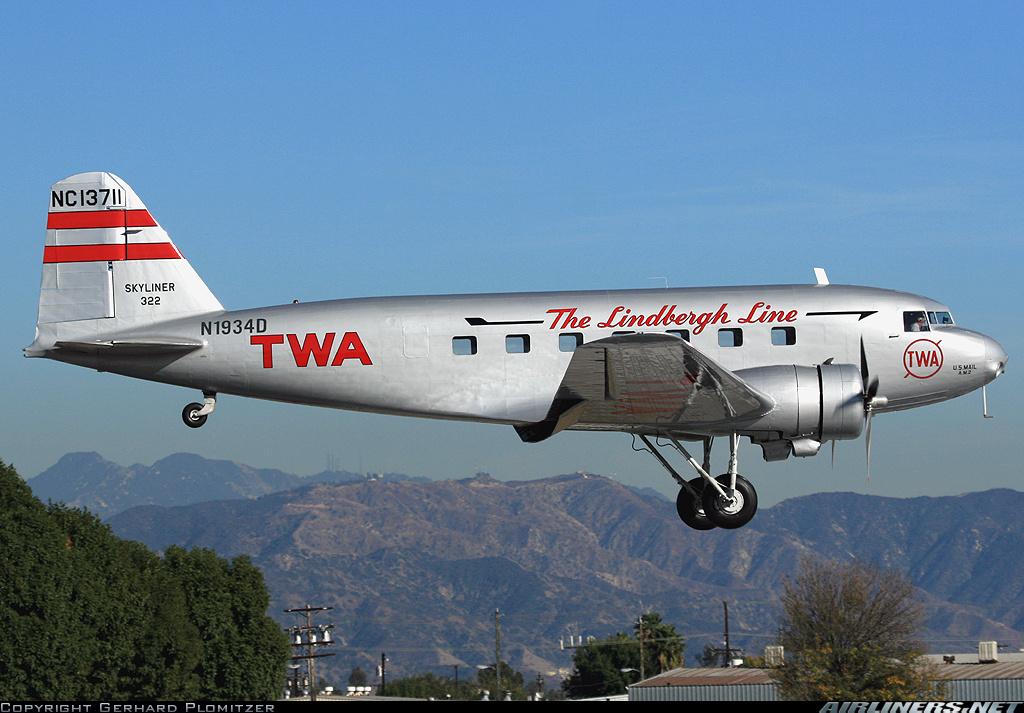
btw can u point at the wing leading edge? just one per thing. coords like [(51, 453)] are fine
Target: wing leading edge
[(646, 383)]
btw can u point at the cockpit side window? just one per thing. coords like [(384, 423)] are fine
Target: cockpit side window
[(915, 322)]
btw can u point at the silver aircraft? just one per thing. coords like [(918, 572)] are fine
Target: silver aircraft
[(787, 366)]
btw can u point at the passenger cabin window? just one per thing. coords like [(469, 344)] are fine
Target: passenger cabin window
[(681, 333), (730, 337), (915, 322), (463, 345), (517, 343), (568, 341), (783, 336)]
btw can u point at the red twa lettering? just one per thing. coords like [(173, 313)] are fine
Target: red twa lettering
[(351, 347), (321, 352), (267, 341), (922, 359), (925, 358)]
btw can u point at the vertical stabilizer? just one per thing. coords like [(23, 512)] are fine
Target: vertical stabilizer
[(108, 264), (106, 257)]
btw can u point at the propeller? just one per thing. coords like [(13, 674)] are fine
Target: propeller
[(870, 401)]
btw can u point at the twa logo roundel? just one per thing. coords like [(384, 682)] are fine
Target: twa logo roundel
[(922, 359)]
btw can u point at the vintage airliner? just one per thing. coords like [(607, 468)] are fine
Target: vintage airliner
[(787, 366)]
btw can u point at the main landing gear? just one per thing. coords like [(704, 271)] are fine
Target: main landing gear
[(728, 501), (194, 415)]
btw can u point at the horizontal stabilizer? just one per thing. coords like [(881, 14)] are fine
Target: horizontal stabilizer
[(135, 347)]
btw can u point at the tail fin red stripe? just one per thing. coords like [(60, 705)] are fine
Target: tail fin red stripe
[(100, 219), (94, 253)]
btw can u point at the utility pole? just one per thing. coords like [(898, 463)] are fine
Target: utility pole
[(497, 654), (640, 637), (727, 651), (383, 673), (306, 636)]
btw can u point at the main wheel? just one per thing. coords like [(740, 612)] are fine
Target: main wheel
[(730, 512), (691, 509), (190, 415)]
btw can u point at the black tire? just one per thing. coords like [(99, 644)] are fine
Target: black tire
[(730, 514), (690, 509), (190, 415)]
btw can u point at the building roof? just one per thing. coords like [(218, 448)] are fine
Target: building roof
[(754, 676), (980, 671), (708, 677)]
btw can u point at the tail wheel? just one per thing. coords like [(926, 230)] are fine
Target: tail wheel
[(691, 509), (734, 509), (190, 415)]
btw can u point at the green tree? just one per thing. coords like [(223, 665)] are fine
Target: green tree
[(427, 685), (710, 657), (849, 632), (244, 650), (110, 603), (511, 680), (168, 657), (88, 616), (357, 677), (662, 645), (38, 643), (598, 666)]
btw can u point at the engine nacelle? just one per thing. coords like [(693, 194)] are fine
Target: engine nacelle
[(813, 404)]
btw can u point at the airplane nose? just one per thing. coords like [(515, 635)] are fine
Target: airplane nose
[(995, 357)]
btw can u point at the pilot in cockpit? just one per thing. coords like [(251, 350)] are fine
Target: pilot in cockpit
[(915, 322)]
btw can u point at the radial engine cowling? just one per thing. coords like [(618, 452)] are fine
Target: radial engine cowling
[(813, 404)]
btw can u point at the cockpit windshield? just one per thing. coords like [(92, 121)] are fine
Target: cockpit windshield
[(924, 321)]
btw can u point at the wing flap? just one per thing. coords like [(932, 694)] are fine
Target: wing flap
[(647, 383)]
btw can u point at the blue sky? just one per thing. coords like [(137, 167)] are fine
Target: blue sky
[(319, 150)]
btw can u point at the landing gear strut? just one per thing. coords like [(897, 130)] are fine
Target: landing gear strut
[(728, 501), (194, 415)]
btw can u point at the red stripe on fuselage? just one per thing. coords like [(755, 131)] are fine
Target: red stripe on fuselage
[(100, 219), (94, 253)]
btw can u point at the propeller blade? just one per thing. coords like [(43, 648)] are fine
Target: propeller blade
[(867, 439), (870, 392), (863, 364)]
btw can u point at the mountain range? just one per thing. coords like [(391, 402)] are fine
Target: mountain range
[(87, 480), (416, 569)]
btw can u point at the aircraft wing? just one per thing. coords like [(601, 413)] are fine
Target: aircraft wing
[(646, 383)]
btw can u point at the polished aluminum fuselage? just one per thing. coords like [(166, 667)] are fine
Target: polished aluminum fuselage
[(501, 357)]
